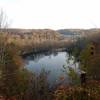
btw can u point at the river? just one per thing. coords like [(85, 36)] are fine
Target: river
[(52, 62)]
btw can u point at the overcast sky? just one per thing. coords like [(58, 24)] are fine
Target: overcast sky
[(54, 14)]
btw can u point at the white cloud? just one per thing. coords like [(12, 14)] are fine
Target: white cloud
[(52, 13)]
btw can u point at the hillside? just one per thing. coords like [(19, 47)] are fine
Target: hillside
[(29, 40), (79, 31), (32, 35)]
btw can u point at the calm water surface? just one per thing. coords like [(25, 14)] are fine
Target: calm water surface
[(52, 62)]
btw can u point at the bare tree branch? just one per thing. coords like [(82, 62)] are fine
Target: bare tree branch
[(3, 20)]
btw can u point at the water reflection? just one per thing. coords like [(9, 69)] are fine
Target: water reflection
[(37, 57), (50, 61)]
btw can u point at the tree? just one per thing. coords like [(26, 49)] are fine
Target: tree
[(3, 20), (8, 66), (90, 61), (12, 78), (11, 74)]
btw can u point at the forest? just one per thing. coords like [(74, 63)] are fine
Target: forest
[(18, 83)]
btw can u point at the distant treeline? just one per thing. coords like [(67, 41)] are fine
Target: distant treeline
[(35, 40)]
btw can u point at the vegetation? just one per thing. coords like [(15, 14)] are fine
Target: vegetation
[(3, 20), (91, 91), (17, 83), (87, 53), (10, 66)]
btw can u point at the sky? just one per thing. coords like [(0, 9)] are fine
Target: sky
[(53, 14)]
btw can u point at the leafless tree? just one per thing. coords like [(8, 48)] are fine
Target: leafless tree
[(3, 20)]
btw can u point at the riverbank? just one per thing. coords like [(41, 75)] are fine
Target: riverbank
[(24, 54)]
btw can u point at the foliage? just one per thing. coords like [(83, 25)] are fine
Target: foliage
[(72, 74), (75, 48), (38, 87), (70, 71), (15, 81), (11, 82), (90, 62), (91, 91), (81, 50)]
